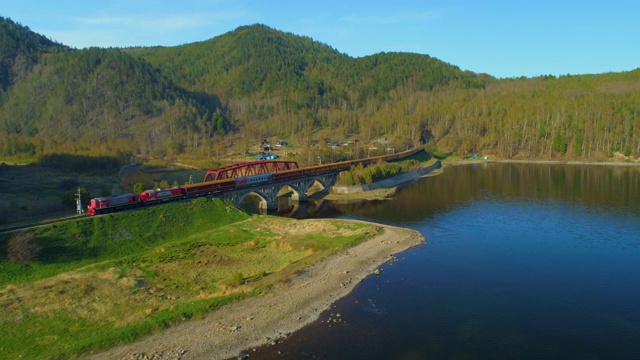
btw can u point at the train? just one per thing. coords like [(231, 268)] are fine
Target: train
[(109, 204), (102, 205)]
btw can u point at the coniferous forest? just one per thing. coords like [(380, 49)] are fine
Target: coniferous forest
[(257, 82)]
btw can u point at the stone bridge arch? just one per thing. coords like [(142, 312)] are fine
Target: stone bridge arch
[(268, 193)]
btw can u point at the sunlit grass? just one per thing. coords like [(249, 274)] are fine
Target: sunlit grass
[(113, 279)]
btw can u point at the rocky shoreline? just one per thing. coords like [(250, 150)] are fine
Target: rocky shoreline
[(272, 316)]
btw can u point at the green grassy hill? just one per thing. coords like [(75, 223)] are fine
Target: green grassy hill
[(82, 286)]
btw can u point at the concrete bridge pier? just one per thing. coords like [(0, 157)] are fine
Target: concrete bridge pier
[(300, 188), (299, 197), (267, 204), (268, 197)]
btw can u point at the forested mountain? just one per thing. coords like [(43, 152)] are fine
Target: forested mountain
[(20, 49), (256, 82), (98, 101), (281, 83)]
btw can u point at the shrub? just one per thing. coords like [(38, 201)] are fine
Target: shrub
[(359, 175), (138, 188), (237, 279), (22, 248), (346, 178)]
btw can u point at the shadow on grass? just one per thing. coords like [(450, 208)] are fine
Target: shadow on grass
[(62, 254)]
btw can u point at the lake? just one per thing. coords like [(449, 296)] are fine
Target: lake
[(522, 261)]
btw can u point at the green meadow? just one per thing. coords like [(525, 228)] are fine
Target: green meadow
[(83, 286)]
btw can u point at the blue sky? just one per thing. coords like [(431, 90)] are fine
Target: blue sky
[(502, 38)]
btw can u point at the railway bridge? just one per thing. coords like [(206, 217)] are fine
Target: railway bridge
[(266, 179), (286, 174), (269, 192)]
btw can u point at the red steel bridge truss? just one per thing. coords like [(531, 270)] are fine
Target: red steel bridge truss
[(249, 168)]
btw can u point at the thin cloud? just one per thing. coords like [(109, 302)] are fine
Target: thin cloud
[(83, 39), (149, 29), (171, 22), (104, 20), (390, 19)]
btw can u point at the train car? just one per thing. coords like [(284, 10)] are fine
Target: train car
[(337, 166), (332, 167), (310, 170), (341, 165), (113, 203), (207, 188), (246, 181), (288, 174), (161, 195)]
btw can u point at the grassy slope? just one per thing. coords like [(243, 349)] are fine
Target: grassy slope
[(108, 280)]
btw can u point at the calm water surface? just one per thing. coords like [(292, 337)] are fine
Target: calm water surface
[(521, 262)]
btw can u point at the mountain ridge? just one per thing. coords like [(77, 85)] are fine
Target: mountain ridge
[(256, 82)]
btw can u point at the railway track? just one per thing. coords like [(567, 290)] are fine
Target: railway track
[(319, 169), (41, 223)]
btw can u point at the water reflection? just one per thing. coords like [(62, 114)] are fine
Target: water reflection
[(599, 187), (314, 208), (595, 186)]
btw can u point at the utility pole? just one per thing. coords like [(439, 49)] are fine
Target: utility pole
[(79, 208)]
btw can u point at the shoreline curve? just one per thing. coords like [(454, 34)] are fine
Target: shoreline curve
[(275, 314)]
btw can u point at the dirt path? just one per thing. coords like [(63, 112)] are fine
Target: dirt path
[(271, 316)]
